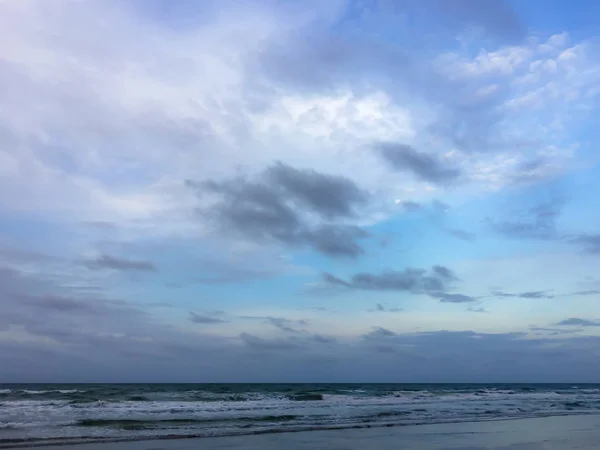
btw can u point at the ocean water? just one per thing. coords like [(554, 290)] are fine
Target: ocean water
[(37, 414)]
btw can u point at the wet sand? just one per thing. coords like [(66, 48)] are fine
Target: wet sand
[(554, 433)]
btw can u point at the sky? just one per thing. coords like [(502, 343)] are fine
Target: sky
[(286, 191)]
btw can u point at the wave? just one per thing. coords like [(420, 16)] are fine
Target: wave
[(116, 411)]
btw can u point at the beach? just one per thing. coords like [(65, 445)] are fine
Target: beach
[(556, 433)]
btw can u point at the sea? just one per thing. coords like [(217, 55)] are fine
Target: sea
[(37, 414)]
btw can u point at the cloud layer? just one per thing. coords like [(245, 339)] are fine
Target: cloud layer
[(297, 191)]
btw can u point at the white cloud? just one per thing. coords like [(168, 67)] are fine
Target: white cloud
[(107, 111)]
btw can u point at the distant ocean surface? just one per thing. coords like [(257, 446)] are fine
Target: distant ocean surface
[(37, 414)]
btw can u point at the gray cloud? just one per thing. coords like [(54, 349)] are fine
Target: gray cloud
[(321, 339), (554, 331), (285, 324), (379, 333), (115, 263), (529, 294), (477, 310), (203, 319), (578, 322), (382, 308), (425, 166), (282, 323), (275, 207), (538, 222), (453, 298), (412, 280), (322, 60), (435, 283), (330, 196)]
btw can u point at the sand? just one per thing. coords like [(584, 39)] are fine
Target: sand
[(567, 432)]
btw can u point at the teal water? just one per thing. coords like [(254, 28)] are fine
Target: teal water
[(38, 413)]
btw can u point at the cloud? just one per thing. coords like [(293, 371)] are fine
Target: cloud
[(328, 196), (538, 222), (282, 323), (285, 324), (427, 167), (382, 308), (453, 298), (257, 342), (554, 331), (589, 292), (121, 264), (589, 242), (411, 280), (434, 283), (577, 322), (529, 294), (379, 333), (321, 339), (207, 320), (281, 204)]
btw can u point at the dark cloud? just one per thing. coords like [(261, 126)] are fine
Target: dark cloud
[(335, 240), (453, 298), (330, 196), (578, 322), (321, 339), (425, 166), (536, 294), (202, 319), (379, 333), (529, 294), (412, 280), (282, 323), (538, 222), (115, 263), (278, 205), (434, 282)]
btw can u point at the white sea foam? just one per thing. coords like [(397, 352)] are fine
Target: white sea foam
[(204, 412)]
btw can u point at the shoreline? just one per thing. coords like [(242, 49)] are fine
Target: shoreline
[(566, 422)]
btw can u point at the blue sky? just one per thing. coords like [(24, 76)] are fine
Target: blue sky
[(299, 191)]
